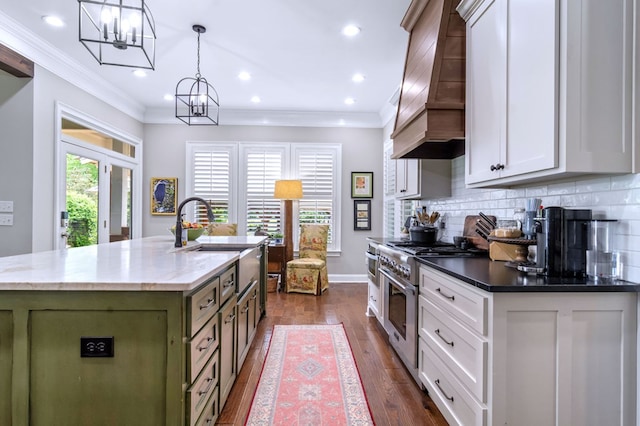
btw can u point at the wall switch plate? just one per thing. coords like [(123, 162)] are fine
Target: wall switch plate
[(6, 219), (96, 347), (6, 206)]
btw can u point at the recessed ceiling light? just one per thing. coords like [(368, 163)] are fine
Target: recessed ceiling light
[(358, 78), (140, 73), (349, 101), (255, 99), (168, 97), (351, 30), (244, 76), (54, 21), (341, 122)]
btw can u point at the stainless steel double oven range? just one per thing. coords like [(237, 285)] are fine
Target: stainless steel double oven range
[(399, 279)]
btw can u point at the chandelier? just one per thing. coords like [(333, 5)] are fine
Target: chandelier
[(118, 32), (196, 100)]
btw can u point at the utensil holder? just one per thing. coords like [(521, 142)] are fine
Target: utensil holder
[(529, 227)]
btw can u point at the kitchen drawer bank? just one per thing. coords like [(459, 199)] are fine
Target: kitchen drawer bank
[(156, 344), (543, 358)]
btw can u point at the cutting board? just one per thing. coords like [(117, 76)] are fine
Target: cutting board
[(469, 231)]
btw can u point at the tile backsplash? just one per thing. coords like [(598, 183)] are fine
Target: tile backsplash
[(608, 196)]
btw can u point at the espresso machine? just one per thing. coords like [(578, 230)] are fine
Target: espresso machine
[(562, 242)]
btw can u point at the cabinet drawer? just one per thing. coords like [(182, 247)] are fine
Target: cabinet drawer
[(202, 389), (227, 284), (200, 348), (455, 403), (458, 299), (210, 413), (374, 298), (201, 306), (461, 350)]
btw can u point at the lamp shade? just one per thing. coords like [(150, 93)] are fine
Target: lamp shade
[(288, 190)]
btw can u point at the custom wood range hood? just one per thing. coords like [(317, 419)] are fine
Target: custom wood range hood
[(430, 119)]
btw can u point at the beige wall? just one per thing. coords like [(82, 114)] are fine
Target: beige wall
[(16, 161), (164, 155), (48, 89)]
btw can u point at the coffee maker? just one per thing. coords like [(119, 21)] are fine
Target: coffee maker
[(562, 242)]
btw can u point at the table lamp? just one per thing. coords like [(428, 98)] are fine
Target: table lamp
[(288, 190)]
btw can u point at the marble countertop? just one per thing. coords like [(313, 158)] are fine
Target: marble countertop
[(143, 264)]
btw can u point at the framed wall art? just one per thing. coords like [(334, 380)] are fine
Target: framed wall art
[(361, 215), (361, 184), (164, 195)]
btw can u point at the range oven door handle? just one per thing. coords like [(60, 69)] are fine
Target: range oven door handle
[(371, 256), (408, 290)]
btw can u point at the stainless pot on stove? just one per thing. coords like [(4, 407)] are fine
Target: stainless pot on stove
[(423, 234)]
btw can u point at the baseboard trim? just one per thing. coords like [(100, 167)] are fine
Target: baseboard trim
[(347, 278)]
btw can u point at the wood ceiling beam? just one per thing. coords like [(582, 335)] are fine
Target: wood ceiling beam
[(14, 63)]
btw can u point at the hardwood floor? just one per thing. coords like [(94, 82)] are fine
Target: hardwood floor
[(393, 395)]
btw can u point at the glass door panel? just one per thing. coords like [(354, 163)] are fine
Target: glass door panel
[(82, 199), (120, 179)]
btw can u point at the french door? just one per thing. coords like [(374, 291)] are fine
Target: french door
[(96, 196)]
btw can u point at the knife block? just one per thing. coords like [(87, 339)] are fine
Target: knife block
[(469, 231)]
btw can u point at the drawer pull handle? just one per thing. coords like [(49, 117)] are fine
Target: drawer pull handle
[(210, 303), (209, 340), (229, 283), (254, 297), (450, 398), (444, 295), (443, 339), (230, 318), (204, 392), (245, 309)]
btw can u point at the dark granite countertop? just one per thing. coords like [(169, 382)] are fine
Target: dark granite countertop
[(494, 276)]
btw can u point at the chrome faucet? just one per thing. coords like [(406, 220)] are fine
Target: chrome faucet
[(179, 217)]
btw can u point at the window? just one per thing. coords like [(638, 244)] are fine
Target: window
[(262, 167), (318, 169), (211, 167), (214, 176), (389, 171)]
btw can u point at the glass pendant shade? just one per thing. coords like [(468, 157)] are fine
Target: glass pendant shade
[(118, 32), (197, 101)]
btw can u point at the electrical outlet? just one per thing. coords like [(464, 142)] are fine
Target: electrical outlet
[(96, 347), (6, 206), (6, 219)]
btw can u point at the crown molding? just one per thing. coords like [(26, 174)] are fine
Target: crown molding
[(46, 55), (237, 117), (20, 39)]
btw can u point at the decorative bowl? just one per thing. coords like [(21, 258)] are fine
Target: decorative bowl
[(192, 233)]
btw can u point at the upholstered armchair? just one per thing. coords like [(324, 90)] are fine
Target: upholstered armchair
[(222, 229), (308, 273)]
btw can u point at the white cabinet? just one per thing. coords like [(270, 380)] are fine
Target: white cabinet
[(418, 179), (548, 89), (527, 358), (453, 347), (374, 305)]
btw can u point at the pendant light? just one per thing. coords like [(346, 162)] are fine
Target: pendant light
[(196, 100), (118, 32)]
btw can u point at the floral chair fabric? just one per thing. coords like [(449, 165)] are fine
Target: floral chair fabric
[(222, 229), (308, 273)]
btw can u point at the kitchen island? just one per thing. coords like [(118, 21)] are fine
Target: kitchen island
[(130, 332)]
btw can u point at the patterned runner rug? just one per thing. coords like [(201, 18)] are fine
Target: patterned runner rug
[(309, 378)]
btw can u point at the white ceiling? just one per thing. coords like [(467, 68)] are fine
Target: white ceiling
[(301, 64)]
